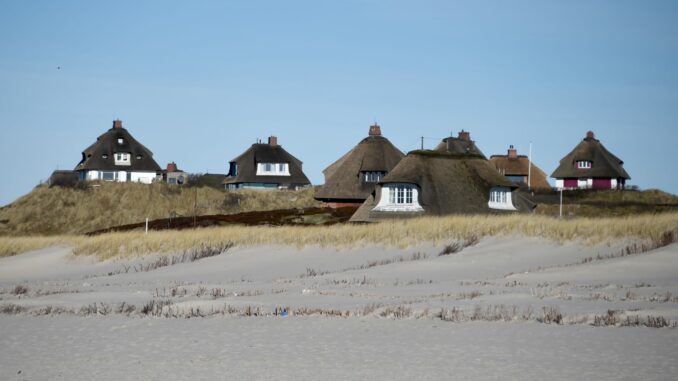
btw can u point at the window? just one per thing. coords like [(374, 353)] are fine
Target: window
[(584, 164), (372, 177), (400, 194), (108, 175), (122, 158), (233, 170), (120, 141), (273, 169), (139, 157), (500, 198), (498, 195), (105, 156)]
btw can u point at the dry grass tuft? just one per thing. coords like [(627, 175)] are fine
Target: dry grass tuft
[(655, 230)]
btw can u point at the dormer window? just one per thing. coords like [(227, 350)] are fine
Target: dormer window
[(120, 141), (500, 198), (399, 198), (584, 164), (104, 156), (139, 157), (372, 176), (273, 169), (122, 158), (400, 195)]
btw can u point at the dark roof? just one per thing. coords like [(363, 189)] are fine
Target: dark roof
[(518, 165), (461, 145), (604, 163), (266, 153), (343, 180), (449, 182), (100, 155)]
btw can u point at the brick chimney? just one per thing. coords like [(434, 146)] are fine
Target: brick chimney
[(512, 152), (375, 130), (172, 167), (272, 141), (465, 136), (590, 135), (117, 123)]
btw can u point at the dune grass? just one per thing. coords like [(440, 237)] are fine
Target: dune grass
[(397, 233), (57, 211)]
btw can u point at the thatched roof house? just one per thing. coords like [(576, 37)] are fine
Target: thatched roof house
[(266, 166), (351, 179), (455, 178), (517, 169), (590, 165), (117, 156)]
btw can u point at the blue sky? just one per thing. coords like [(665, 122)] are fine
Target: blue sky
[(198, 82)]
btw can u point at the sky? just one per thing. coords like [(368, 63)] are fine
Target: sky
[(198, 82)]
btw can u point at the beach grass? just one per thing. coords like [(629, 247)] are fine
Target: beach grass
[(652, 229)]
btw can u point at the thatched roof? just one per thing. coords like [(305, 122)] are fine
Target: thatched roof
[(267, 153), (604, 163), (100, 155), (455, 181), (513, 164), (343, 178)]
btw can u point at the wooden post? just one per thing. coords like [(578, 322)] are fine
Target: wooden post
[(146, 225), (529, 169), (561, 202)]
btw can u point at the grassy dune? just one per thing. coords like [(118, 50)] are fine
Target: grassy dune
[(648, 228), (56, 210)]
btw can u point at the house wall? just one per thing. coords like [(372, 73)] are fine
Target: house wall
[(584, 183), (121, 176)]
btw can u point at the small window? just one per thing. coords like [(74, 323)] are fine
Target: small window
[(105, 156), (120, 141), (281, 167), (268, 167), (139, 157), (372, 177), (584, 164), (122, 158)]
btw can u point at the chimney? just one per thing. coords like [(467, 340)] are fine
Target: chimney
[(375, 130), (590, 135), (172, 167), (117, 123), (272, 141), (512, 152), (465, 136)]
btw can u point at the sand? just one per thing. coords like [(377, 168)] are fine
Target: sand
[(71, 324)]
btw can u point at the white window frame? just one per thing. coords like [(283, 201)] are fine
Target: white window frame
[(122, 158), (584, 164), (273, 169), (121, 141)]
